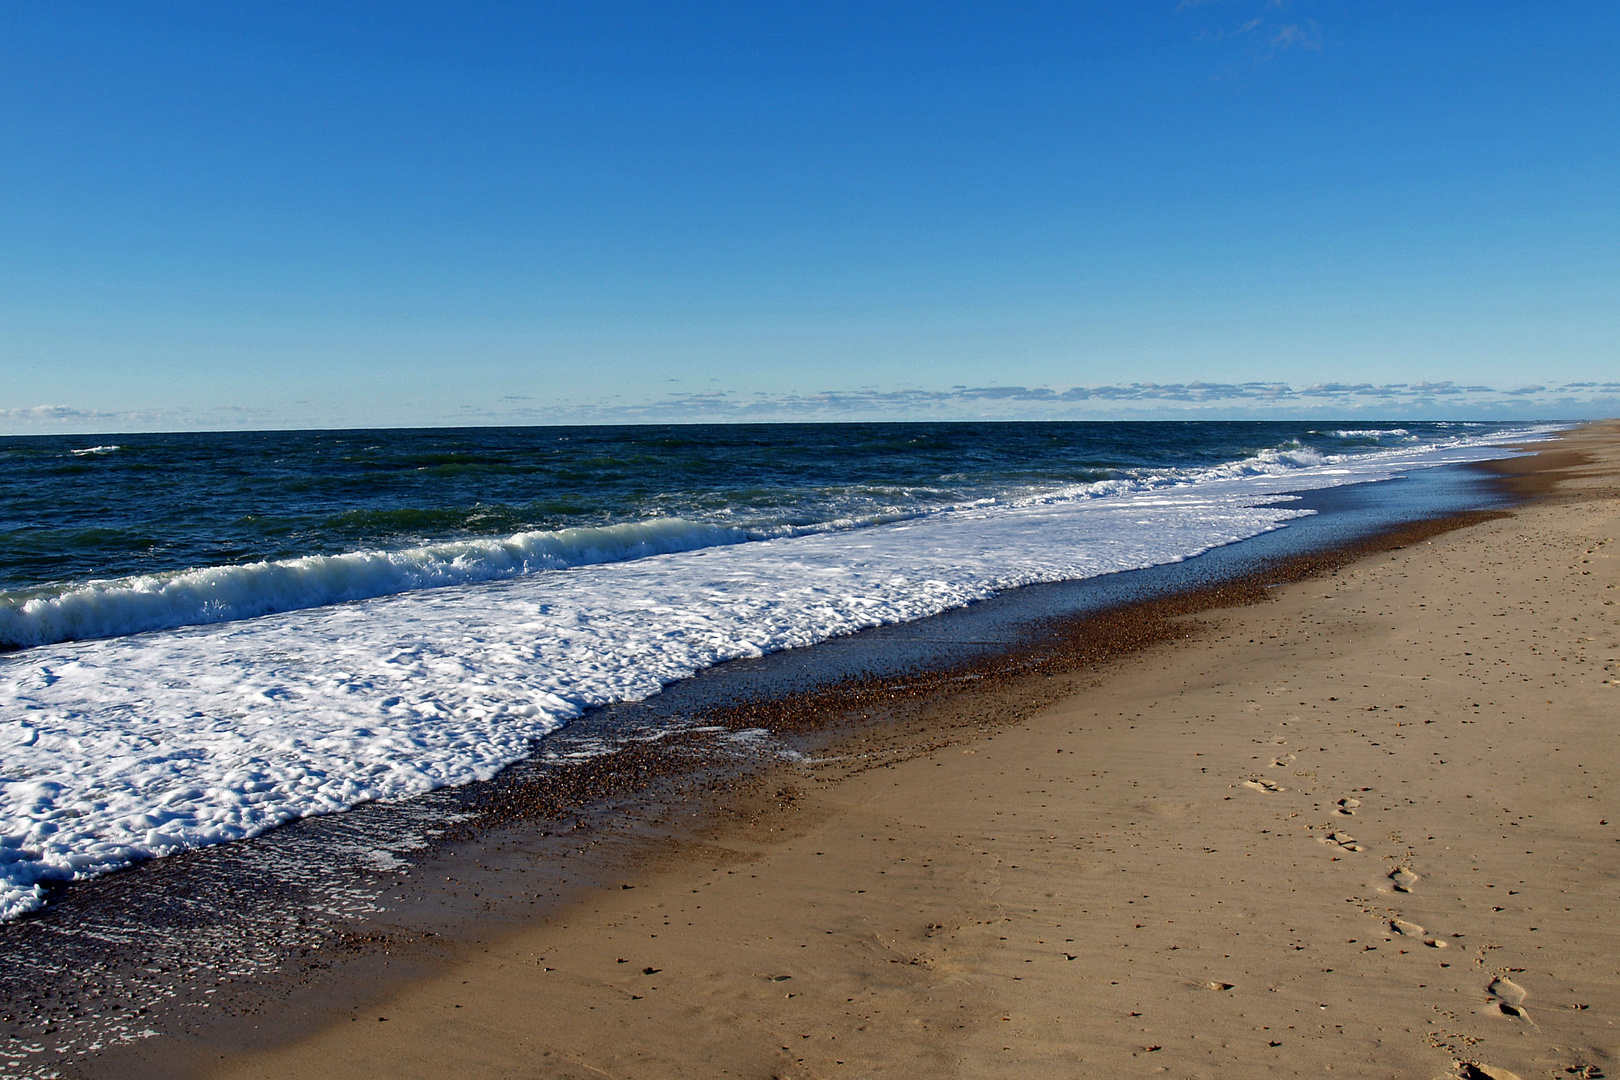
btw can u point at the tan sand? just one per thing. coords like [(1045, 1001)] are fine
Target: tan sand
[(1371, 828)]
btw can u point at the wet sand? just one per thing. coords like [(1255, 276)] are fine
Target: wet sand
[(1366, 827)]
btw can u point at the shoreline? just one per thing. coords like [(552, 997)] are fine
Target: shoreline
[(1222, 916), (916, 733)]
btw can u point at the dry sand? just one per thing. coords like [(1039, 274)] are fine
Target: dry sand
[(1369, 828)]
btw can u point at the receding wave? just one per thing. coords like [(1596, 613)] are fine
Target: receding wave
[(112, 608)]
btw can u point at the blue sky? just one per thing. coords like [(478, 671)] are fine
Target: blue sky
[(287, 215)]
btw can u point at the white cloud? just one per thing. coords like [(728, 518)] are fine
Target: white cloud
[(1137, 400), (1212, 400), (69, 419), (1263, 36)]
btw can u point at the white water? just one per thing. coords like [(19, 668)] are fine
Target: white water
[(1372, 433), (128, 747), (222, 593)]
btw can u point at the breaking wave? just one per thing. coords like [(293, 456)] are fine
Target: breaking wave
[(112, 608)]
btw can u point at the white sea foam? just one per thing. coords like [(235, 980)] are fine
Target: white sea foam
[(91, 451), (221, 593), (1371, 433), (128, 747)]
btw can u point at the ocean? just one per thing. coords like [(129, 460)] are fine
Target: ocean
[(209, 635)]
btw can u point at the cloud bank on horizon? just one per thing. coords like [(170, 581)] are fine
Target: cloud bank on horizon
[(299, 215), (1135, 401)]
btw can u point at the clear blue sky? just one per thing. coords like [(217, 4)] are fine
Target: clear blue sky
[(335, 214)]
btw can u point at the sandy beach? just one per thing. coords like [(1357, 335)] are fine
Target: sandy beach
[(1369, 827)]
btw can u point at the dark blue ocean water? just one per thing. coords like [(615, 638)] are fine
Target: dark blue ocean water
[(76, 508)]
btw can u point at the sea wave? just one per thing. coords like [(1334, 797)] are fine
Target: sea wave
[(1371, 433), (1271, 461), (104, 608), (132, 605)]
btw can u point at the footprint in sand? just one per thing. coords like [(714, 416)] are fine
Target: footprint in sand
[(1342, 839), (1470, 1070), (1403, 879), (1347, 807), (1263, 785), (1413, 930), (1283, 762), (1509, 997), (1507, 990)]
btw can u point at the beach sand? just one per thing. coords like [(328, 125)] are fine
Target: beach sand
[(1370, 827)]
